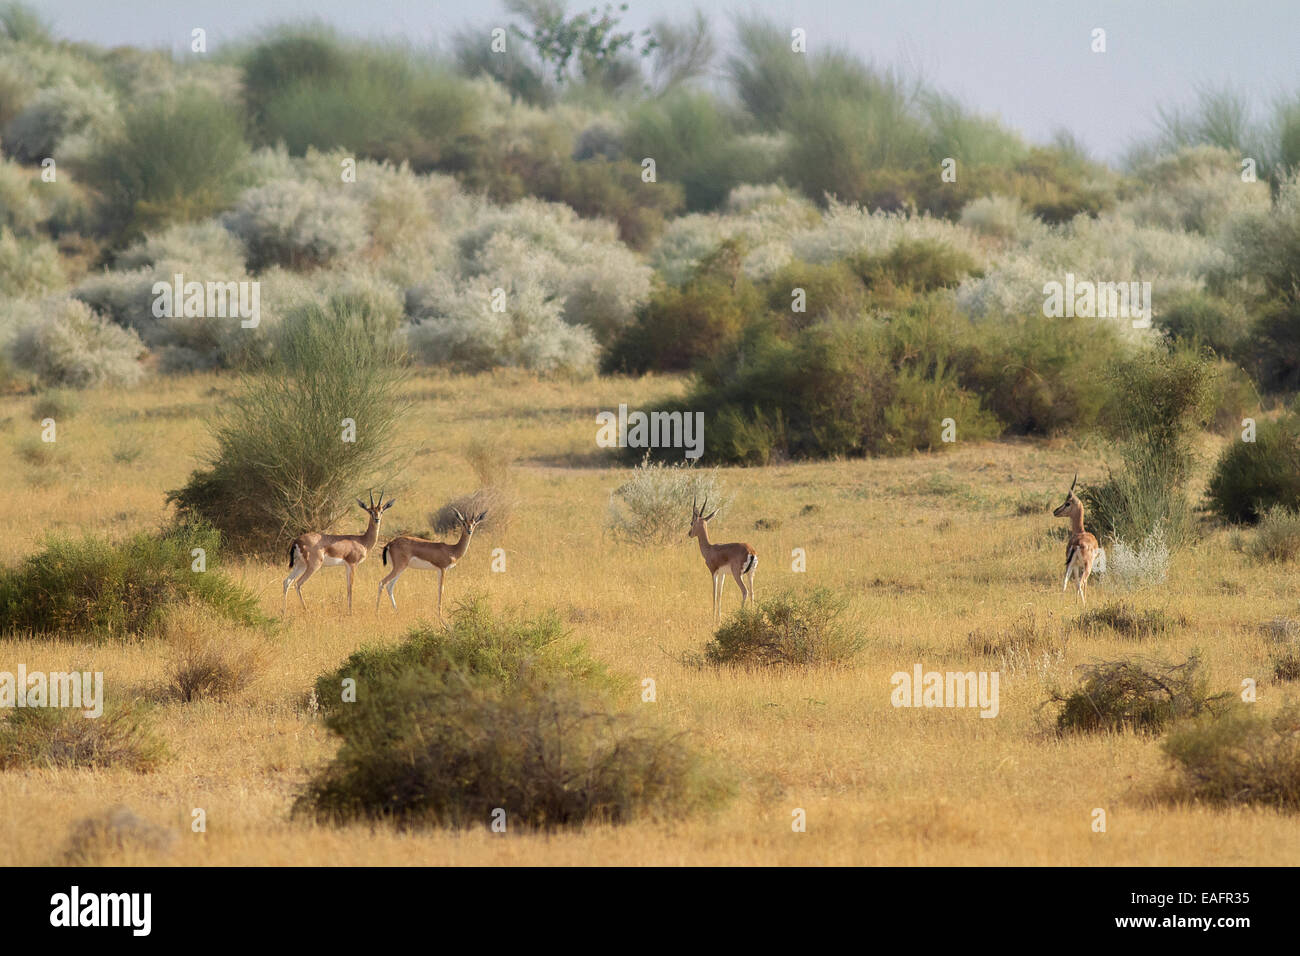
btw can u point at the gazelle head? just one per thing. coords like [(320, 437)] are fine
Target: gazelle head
[(375, 509), (1072, 505), (698, 517), (470, 523)]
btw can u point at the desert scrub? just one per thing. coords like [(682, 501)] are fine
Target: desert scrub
[(479, 646), (1136, 694), (51, 738), (202, 664), (1130, 567), (125, 589), (280, 433), (1276, 538), (653, 505), (1238, 757), (1130, 621), (69, 345), (448, 728), (789, 630)]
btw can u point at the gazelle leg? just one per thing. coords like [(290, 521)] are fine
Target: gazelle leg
[(744, 591), (348, 568), (288, 582), (390, 582), (441, 574), (720, 583), (303, 580)]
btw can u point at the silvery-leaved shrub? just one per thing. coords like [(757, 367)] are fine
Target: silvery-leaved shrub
[(68, 344), (598, 281), (28, 267), (297, 224), (205, 246), (653, 505), (1002, 217), (465, 332), (55, 113), (1132, 566)]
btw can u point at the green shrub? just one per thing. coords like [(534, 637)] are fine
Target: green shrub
[(479, 646), (913, 265), (829, 290), (73, 586), (1204, 321), (178, 157), (59, 738), (1136, 694), (1159, 399), (1039, 375), (1251, 477), (448, 728), (1271, 350), (281, 466), (1240, 758), (789, 630)]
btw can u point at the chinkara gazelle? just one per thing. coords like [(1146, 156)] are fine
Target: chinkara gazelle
[(737, 557), (313, 550), (1082, 550), (409, 551)]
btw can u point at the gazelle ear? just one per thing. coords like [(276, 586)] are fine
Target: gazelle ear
[(481, 516), (390, 504), (362, 505), (709, 516)]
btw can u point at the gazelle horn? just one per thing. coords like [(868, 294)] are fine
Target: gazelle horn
[(1075, 482)]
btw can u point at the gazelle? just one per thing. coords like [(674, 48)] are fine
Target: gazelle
[(1082, 549), (737, 557), (310, 551), (409, 551)]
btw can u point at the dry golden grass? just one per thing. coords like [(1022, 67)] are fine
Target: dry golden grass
[(930, 548)]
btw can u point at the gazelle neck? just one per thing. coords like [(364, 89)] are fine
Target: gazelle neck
[(1076, 520), (371, 534), (460, 547), (703, 537)]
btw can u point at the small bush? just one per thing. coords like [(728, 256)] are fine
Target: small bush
[(126, 589), (56, 403), (56, 738), (67, 344), (1022, 637), (1134, 694), (786, 631), (280, 434), (1129, 621), (653, 506), (1251, 477), (1276, 537), (1286, 662), (114, 831), (448, 727), (1240, 758), (202, 665)]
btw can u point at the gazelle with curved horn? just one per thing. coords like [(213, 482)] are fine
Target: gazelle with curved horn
[(1081, 550), (737, 557), (409, 551), (313, 550)]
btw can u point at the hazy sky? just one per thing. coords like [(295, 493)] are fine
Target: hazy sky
[(1028, 61)]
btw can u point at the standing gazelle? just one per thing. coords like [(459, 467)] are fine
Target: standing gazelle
[(310, 551), (1082, 549), (737, 557), (412, 552)]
